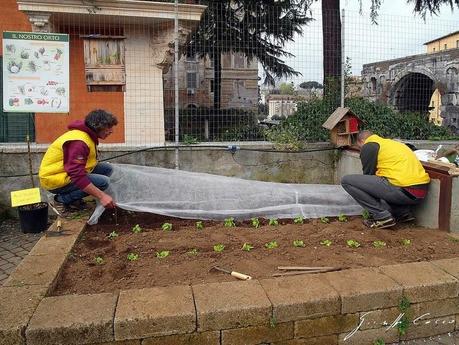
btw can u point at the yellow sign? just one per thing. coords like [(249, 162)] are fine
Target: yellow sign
[(25, 197)]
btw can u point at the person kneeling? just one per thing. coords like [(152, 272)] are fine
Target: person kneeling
[(393, 180), (70, 169)]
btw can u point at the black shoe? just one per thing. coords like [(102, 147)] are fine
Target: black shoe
[(405, 218), (380, 223)]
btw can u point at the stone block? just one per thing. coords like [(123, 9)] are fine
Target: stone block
[(378, 318), (206, 338), (36, 270), (327, 340), (17, 305), (364, 289), (423, 328), (450, 266), (437, 308), (422, 281), (231, 305), (369, 336), (73, 319), (326, 325), (59, 244), (122, 342), (258, 334), (152, 312), (300, 297)]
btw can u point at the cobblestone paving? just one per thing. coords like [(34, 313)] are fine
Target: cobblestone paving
[(14, 246)]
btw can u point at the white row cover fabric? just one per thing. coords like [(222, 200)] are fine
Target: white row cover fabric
[(192, 195)]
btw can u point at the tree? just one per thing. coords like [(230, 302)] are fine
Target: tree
[(257, 29), (287, 89), (331, 35), (307, 85)]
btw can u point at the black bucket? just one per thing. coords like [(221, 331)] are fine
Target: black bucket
[(33, 218)]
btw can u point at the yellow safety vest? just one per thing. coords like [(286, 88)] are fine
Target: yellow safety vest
[(52, 174), (398, 163)]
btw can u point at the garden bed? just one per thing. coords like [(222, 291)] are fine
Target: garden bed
[(100, 264)]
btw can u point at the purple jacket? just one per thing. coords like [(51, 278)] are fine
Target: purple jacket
[(76, 154)]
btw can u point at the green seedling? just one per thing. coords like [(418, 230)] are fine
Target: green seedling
[(219, 248), (379, 342), (136, 229), (453, 239), (342, 218), (76, 216), (132, 256), (112, 235), (404, 304), (403, 325), (324, 220), (255, 222), (352, 243), (193, 251), (273, 322), (365, 214), (99, 260), (229, 222), (298, 220), (406, 242), (247, 247), (298, 244), (273, 222), (404, 322), (326, 243), (162, 254), (166, 226), (379, 244), (271, 245), (199, 225)]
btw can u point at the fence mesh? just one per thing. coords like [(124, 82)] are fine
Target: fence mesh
[(244, 67)]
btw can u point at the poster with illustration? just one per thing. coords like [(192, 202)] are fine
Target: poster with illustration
[(35, 72)]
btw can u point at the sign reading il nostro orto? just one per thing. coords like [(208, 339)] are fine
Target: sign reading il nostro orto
[(35, 72)]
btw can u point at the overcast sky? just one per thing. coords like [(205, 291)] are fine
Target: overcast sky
[(399, 33)]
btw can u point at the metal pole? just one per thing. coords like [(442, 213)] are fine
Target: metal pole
[(176, 57), (343, 61)]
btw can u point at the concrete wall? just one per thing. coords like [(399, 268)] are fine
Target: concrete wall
[(314, 167)]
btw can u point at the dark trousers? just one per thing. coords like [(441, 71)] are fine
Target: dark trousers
[(98, 177), (378, 196)]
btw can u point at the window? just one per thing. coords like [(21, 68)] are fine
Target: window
[(104, 63), (373, 84), (211, 86), (433, 49), (446, 46), (457, 43), (191, 80)]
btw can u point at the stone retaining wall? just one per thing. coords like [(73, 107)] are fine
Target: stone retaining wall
[(356, 306)]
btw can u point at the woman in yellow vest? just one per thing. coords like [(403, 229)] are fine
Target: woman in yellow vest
[(69, 168), (393, 180)]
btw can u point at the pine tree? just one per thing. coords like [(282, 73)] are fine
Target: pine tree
[(257, 29)]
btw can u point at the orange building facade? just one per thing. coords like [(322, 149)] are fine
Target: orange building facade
[(142, 33)]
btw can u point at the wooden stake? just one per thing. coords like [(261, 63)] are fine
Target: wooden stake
[(30, 161)]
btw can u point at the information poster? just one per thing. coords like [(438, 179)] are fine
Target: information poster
[(35, 72)]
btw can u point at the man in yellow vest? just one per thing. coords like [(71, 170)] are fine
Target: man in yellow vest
[(69, 168), (393, 180)]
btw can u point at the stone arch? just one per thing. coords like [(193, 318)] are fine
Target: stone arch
[(412, 91)]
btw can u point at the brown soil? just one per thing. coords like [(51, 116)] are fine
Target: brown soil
[(82, 275)]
